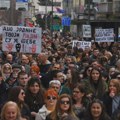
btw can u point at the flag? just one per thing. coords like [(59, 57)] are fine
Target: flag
[(59, 10)]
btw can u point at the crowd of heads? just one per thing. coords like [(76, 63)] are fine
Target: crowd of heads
[(63, 82)]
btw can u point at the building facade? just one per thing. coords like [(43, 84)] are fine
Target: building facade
[(97, 13)]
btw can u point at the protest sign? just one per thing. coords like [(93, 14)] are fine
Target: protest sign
[(66, 21), (104, 35), (74, 43), (81, 44), (86, 31), (24, 39)]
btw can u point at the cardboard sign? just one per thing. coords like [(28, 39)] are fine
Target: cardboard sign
[(81, 44), (86, 31), (21, 39), (104, 35)]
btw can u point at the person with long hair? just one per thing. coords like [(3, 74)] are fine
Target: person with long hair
[(34, 95), (72, 77), (96, 111), (111, 98), (95, 86), (80, 101), (50, 97), (86, 72), (6, 71), (17, 95), (10, 111), (63, 109)]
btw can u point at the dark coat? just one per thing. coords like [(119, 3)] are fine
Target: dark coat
[(3, 94), (112, 105)]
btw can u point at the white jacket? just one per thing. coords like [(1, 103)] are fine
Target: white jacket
[(42, 113)]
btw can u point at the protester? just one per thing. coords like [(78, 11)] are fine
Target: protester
[(63, 109), (17, 94), (111, 71), (50, 98), (10, 111), (95, 86), (16, 69), (24, 62), (56, 85), (6, 71), (22, 79), (34, 71), (9, 59), (11, 81), (44, 63), (111, 98), (72, 78), (34, 96), (86, 73), (80, 102), (96, 111), (59, 75)]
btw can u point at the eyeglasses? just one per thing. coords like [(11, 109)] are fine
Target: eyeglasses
[(65, 102), (51, 98)]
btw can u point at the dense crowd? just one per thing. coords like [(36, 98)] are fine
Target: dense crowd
[(63, 82)]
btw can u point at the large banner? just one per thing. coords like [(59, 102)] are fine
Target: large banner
[(21, 39), (104, 35)]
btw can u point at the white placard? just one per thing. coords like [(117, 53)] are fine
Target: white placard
[(5, 3), (29, 38), (86, 31), (81, 44), (104, 35)]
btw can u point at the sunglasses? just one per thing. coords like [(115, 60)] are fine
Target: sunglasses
[(51, 98), (65, 102)]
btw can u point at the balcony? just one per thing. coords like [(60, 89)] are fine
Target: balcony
[(105, 7), (78, 9), (109, 7), (116, 7)]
